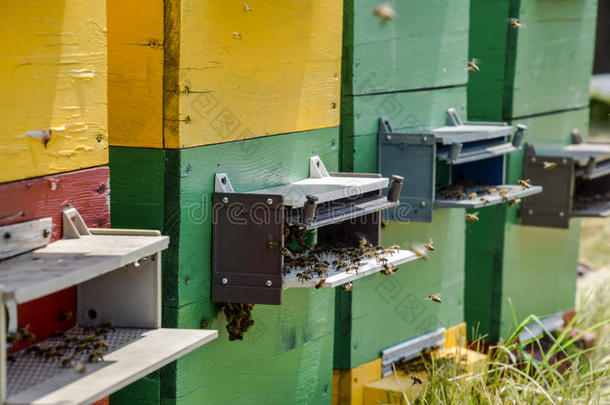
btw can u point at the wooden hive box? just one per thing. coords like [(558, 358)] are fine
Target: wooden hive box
[(288, 347), (540, 67), (189, 73), (53, 109)]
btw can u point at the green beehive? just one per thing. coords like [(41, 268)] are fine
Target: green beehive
[(535, 59), (409, 68)]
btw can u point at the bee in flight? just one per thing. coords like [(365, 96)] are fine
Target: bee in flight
[(514, 202), (320, 283), (434, 297), (347, 286), (549, 165), (429, 246), (525, 184), (419, 252), (385, 12), (473, 65), (515, 23), (472, 218), (416, 380)]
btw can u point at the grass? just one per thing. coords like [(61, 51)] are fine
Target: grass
[(563, 372)]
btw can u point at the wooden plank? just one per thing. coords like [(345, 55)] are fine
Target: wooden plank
[(287, 352), (396, 305), (53, 63), (418, 109), (351, 382), (424, 46), (135, 72), (154, 349), (69, 262), (25, 236)]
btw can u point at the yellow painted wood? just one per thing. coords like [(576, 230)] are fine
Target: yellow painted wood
[(53, 73), (393, 388), (455, 336), (186, 73), (135, 72), (350, 385), (335, 387)]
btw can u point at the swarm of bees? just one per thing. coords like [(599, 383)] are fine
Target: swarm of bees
[(239, 318), (466, 189), (71, 349), (416, 365)]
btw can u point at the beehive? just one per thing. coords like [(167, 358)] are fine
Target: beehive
[(535, 72)]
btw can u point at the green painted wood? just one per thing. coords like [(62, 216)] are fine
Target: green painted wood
[(387, 310), (535, 267), (424, 46), (137, 200), (360, 120), (289, 350), (286, 358), (542, 67)]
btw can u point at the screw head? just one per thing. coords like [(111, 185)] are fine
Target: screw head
[(269, 201), (530, 211), (424, 139), (562, 214), (533, 159), (225, 200), (564, 161), (422, 204), (268, 283), (224, 280), (388, 137)]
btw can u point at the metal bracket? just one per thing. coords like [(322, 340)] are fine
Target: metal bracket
[(576, 137), (317, 170), (410, 349), (11, 311), (453, 119), (222, 184), (546, 325), (74, 226)]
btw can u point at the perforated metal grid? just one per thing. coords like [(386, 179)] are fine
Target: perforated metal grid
[(30, 369)]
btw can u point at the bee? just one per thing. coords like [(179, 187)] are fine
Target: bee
[(485, 200), (322, 271), (103, 345), (65, 315), (472, 196), (382, 260), (515, 23), (58, 334), (52, 353), (514, 202), (385, 12), (272, 245), (285, 252), (429, 246), (83, 347), (460, 195), (472, 65), (491, 190), (416, 380), (363, 242), (95, 356), (504, 194), (388, 252), (303, 276), (341, 265), (247, 7), (525, 184), (419, 252), (320, 283), (35, 350), (472, 218), (389, 269), (80, 367), (67, 361), (106, 325), (434, 297), (347, 286), (549, 165), (395, 247), (89, 338)]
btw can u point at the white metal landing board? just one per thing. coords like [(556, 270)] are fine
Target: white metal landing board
[(34, 380), (69, 262), (487, 200), (336, 278)]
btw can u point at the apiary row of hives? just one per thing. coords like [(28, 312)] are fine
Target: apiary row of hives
[(286, 149)]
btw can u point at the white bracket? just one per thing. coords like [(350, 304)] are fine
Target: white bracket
[(317, 170), (74, 226), (222, 184), (453, 119)]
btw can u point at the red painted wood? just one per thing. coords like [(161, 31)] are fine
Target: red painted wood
[(87, 191), (105, 401)]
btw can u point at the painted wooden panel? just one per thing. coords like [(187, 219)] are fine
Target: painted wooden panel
[(53, 107), (395, 306), (87, 191), (541, 67), (135, 73), (505, 259), (360, 120), (179, 184), (425, 45)]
